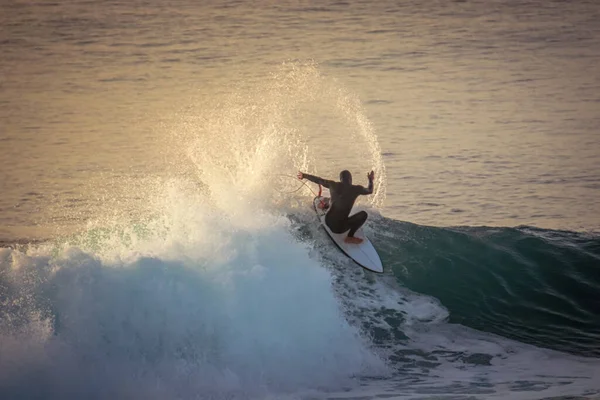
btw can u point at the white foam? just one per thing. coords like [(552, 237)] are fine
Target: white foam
[(212, 304)]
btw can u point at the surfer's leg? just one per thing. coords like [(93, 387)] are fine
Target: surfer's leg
[(356, 221), (336, 225)]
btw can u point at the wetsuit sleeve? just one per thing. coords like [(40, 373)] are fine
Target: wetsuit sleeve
[(318, 180), (364, 190)]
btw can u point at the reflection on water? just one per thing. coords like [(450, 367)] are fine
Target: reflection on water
[(486, 112)]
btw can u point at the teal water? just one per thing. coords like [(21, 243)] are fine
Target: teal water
[(152, 244), (533, 285)]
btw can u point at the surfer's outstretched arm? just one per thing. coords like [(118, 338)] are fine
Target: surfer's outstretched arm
[(316, 179), (368, 190)]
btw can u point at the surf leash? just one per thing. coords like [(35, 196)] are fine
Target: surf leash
[(299, 187)]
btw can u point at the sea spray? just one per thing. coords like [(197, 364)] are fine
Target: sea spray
[(278, 125)]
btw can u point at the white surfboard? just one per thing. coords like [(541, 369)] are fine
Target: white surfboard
[(364, 254)]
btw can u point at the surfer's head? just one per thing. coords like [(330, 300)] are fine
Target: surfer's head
[(346, 177)]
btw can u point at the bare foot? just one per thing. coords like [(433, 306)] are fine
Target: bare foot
[(353, 240)]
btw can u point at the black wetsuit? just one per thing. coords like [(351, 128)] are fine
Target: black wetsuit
[(343, 196)]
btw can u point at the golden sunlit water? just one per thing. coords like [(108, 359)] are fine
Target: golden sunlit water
[(486, 113)]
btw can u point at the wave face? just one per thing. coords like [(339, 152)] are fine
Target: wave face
[(533, 285)]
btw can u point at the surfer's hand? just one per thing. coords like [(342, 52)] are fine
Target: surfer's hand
[(371, 175), (300, 175)]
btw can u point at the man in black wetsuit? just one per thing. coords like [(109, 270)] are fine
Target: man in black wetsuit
[(343, 196)]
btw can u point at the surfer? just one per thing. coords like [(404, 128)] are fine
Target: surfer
[(343, 196)]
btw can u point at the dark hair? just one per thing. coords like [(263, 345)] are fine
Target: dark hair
[(346, 177)]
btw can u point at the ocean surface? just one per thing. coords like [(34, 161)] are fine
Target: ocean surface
[(155, 244)]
